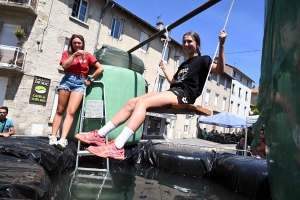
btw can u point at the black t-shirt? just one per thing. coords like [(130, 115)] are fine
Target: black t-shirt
[(191, 75)]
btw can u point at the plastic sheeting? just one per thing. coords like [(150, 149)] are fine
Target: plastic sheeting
[(243, 174), (39, 150), (22, 179), (279, 96), (181, 159), (27, 162), (109, 55)]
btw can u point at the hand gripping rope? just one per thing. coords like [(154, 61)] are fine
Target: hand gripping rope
[(216, 50), (166, 41)]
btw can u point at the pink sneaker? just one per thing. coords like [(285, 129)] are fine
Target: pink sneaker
[(108, 150), (91, 137)]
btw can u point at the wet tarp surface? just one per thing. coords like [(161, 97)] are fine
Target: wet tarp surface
[(243, 174), (23, 179), (38, 149), (27, 162)]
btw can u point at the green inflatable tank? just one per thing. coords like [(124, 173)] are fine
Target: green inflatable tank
[(120, 85)]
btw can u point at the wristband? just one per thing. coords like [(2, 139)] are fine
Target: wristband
[(90, 78)]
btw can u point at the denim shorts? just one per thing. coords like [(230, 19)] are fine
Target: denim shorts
[(72, 83)]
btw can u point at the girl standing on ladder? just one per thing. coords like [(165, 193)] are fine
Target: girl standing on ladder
[(186, 85), (75, 62)]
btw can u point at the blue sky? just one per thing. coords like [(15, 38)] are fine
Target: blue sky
[(244, 27)]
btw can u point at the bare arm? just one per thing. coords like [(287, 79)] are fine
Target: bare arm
[(69, 61), (219, 67), (99, 70), (11, 132), (169, 76)]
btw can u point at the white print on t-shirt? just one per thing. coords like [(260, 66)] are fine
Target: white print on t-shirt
[(82, 61), (184, 100), (182, 74)]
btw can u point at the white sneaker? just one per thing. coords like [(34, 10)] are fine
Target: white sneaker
[(52, 140), (61, 144)]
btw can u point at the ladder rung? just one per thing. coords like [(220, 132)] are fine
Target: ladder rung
[(91, 176), (84, 153), (91, 185), (92, 169)]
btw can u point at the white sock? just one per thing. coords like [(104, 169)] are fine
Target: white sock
[(123, 137), (63, 139), (107, 128)]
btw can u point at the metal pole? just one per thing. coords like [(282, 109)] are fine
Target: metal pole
[(190, 15)]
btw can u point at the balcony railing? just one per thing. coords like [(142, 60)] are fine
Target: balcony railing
[(30, 3), (12, 57)]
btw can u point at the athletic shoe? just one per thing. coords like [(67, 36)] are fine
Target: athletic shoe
[(52, 140), (61, 144), (91, 137), (108, 150)]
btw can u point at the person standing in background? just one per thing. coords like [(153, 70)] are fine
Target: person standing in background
[(6, 125)]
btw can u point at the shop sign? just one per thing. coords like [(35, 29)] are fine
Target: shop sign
[(39, 90)]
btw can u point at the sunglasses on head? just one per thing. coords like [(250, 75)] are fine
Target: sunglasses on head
[(77, 35)]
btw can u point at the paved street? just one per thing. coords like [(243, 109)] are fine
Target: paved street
[(204, 144)]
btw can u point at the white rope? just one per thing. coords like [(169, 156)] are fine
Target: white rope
[(166, 41), (216, 51)]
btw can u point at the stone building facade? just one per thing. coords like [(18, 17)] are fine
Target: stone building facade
[(49, 25)]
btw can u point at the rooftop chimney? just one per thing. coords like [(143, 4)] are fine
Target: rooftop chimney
[(160, 25)]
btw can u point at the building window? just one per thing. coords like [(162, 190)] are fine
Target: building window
[(116, 28), (240, 92), (233, 88), (238, 108), (144, 37), (166, 56), (234, 74), (225, 84), (207, 96), (187, 124), (246, 96), (231, 105), (224, 103), (241, 78), (161, 83), (216, 100), (218, 79), (247, 83), (66, 44), (79, 10), (245, 111), (180, 60)]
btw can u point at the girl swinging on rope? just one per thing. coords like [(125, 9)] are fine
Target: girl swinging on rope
[(186, 85)]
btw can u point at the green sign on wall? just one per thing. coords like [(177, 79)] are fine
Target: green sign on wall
[(39, 90)]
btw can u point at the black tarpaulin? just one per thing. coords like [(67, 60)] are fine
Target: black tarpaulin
[(243, 174)]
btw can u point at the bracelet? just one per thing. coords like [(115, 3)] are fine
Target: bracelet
[(90, 78), (73, 55)]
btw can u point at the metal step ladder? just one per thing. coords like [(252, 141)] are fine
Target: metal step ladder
[(92, 110)]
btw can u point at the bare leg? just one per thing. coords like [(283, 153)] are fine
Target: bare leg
[(63, 97), (142, 104), (122, 115), (74, 102)]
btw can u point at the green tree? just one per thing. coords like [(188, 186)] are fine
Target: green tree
[(255, 109)]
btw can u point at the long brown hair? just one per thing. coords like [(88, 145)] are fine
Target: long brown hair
[(70, 48), (196, 37)]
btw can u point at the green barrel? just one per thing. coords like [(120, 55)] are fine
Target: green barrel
[(120, 84), (279, 96)]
